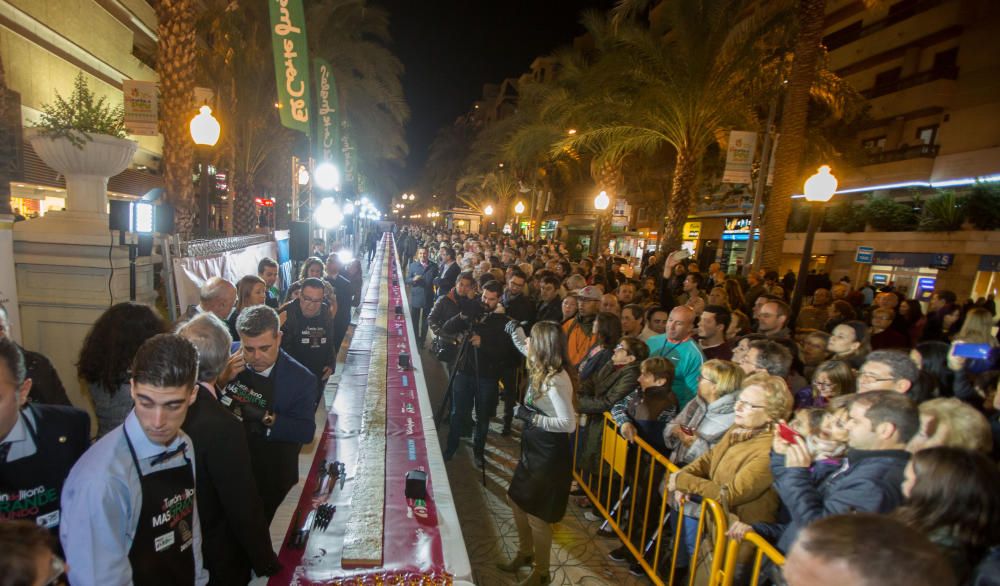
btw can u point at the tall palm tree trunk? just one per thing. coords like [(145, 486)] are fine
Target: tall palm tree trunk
[(8, 140), (679, 204), (792, 139), (175, 58)]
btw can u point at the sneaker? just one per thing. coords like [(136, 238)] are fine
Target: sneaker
[(636, 570), (588, 515), (619, 554), (606, 532)]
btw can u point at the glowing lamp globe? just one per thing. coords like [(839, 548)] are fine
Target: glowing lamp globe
[(205, 129), (821, 186), (602, 201), (488, 210), (328, 214), (519, 208), (327, 176)]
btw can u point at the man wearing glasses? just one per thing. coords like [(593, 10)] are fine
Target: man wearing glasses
[(887, 370), (308, 333)]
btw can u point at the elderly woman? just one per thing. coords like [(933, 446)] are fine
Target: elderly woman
[(703, 421), (736, 472)]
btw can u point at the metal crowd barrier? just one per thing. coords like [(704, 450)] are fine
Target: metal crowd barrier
[(762, 549), (625, 488)]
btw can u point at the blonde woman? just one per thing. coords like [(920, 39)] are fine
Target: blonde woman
[(539, 489), (250, 290)]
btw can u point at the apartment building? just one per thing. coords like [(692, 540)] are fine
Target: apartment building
[(44, 44)]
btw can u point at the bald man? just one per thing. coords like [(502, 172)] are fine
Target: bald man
[(216, 296), (678, 346)]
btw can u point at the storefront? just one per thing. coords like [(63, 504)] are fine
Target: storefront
[(987, 277), (913, 273), (734, 243)]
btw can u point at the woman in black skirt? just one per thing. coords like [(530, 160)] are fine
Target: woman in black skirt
[(540, 488)]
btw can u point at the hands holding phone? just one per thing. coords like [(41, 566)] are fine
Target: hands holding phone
[(792, 444)]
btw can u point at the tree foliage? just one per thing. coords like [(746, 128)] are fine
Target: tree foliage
[(82, 114)]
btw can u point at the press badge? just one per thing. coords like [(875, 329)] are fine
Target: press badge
[(48, 520), (164, 541)]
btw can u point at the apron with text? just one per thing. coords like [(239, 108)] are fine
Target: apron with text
[(162, 550), (30, 487)]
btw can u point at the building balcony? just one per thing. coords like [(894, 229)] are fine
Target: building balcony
[(920, 151), (925, 77), (856, 31)]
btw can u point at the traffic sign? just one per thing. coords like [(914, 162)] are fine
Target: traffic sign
[(864, 255)]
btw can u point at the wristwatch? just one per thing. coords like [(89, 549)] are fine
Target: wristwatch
[(268, 419)]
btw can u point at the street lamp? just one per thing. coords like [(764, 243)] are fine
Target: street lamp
[(205, 131), (327, 177), (518, 210), (601, 203), (818, 190)]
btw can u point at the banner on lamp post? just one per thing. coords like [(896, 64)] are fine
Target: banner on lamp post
[(327, 139), (291, 62), (739, 156), (141, 107)]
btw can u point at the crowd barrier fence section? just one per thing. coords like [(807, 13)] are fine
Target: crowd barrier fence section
[(762, 549), (625, 488)]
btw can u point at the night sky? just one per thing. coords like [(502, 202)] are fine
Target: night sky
[(452, 47)]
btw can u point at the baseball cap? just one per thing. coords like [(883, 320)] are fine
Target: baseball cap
[(588, 293)]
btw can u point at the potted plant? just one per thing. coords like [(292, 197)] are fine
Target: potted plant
[(83, 138)]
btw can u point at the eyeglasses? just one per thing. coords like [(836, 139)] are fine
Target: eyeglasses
[(706, 379), (873, 377), (621, 347), (304, 299), (741, 405)]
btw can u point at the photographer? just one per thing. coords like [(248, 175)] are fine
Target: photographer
[(461, 297), (521, 308), (488, 352)]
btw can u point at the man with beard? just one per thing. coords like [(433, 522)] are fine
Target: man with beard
[(549, 306), (580, 330)]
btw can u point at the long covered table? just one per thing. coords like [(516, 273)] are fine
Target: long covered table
[(380, 427)]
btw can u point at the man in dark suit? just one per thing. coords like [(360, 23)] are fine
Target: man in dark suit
[(46, 387), (420, 276), (549, 306), (449, 271), (344, 292), (235, 536), (275, 396), (38, 446)]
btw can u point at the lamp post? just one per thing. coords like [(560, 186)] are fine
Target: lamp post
[(818, 190), (488, 211), (601, 203), (205, 131), (518, 210)]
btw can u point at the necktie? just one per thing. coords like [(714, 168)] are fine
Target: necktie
[(4, 450), (168, 454)]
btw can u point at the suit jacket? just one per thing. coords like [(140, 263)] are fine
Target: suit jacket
[(447, 279), (46, 387), (294, 401), (422, 291), (235, 533)]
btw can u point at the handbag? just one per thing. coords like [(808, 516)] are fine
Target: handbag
[(444, 350)]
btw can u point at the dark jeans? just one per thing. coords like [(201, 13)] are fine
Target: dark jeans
[(420, 325), (511, 392), (468, 391)]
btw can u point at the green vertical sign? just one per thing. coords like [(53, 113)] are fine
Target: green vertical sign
[(327, 138), (291, 62)]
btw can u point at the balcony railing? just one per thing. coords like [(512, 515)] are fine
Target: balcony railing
[(851, 33), (911, 152), (911, 81)]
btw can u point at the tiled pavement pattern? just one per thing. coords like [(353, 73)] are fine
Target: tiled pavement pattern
[(579, 557)]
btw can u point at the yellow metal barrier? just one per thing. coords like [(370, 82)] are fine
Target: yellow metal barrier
[(762, 549), (611, 494)]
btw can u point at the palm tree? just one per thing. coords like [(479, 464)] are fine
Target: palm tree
[(788, 155), (10, 115), (175, 60), (353, 36), (677, 91)]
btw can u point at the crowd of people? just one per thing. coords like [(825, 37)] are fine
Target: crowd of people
[(863, 402), (216, 406), (867, 419)]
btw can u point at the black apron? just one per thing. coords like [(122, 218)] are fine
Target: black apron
[(33, 484), (162, 551), (275, 464), (541, 481)]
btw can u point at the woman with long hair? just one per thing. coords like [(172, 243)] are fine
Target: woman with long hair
[(943, 324), (832, 378), (849, 342), (608, 330), (312, 267), (735, 294), (539, 490), (936, 379), (106, 359), (951, 496), (250, 290), (913, 315)]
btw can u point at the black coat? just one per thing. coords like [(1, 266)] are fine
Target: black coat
[(46, 387), (495, 352), (449, 275), (551, 311), (235, 533)]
